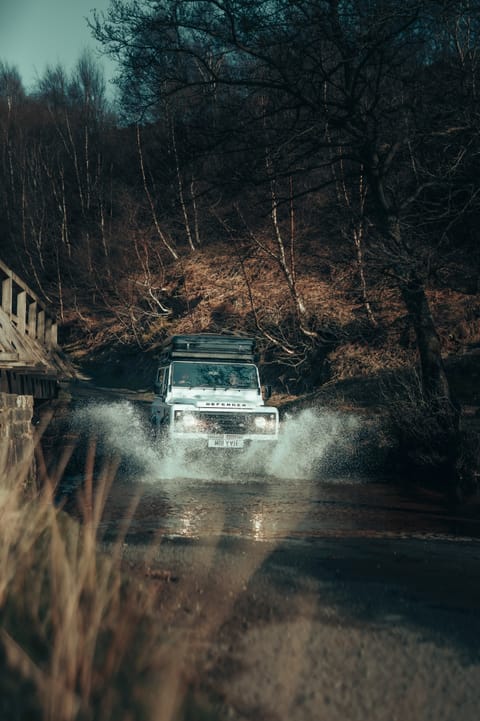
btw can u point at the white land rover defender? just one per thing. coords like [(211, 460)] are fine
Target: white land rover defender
[(208, 392)]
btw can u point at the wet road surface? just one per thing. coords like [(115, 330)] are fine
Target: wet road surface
[(298, 594)]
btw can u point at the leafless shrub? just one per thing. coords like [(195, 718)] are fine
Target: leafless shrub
[(431, 443)]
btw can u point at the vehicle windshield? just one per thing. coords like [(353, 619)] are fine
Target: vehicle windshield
[(215, 375)]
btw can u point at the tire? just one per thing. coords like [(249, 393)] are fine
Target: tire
[(155, 430), (159, 436)]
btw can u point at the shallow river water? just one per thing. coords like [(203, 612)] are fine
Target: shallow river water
[(305, 489)]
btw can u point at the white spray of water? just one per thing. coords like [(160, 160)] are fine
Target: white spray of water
[(307, 440), (119, 428), (192, 485)]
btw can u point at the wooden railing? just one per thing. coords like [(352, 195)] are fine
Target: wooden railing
[(27, 315)]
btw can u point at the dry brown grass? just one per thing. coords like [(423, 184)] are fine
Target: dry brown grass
[(76, 635), (216, 287), (210, 290), (351, 360)]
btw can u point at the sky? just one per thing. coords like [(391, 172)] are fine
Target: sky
[(37, 33)]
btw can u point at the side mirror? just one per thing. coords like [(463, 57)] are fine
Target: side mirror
[(157, 388), (267, 392)]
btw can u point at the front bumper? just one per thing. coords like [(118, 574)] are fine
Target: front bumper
[(224, 429)]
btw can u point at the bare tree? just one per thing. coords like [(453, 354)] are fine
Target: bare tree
[(151, 203)]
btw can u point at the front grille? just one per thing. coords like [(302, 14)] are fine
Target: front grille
[(226, 422), (215, 422)]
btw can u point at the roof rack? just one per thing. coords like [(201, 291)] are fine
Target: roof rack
[(209, 346)]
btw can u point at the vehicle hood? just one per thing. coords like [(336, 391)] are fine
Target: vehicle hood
[(221, 399)]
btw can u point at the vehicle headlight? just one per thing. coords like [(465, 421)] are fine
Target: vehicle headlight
[(260, 421), (266, 422), (187, 419)]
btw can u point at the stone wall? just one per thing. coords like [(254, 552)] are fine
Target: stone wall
[(16, 438)]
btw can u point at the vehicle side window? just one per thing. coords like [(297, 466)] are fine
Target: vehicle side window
[(161, 381)]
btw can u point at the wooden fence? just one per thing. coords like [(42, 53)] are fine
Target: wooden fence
[(28, 339), (26, 313)]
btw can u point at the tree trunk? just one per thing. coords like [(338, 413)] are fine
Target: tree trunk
[(434, 380), (441, 449), (449, 447)]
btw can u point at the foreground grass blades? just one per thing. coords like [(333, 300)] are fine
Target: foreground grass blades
[(78, 640)]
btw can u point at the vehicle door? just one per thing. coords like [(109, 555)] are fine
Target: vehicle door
[(160, 408)]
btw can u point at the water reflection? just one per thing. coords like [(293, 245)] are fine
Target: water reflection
[(258, 526), (187, 524), (273, 511)]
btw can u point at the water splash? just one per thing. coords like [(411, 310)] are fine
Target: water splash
[(263, 494), (118, 428), (312, 441)]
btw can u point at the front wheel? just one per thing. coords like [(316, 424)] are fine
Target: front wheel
[(157, 430)]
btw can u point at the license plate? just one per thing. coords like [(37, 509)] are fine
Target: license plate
[(225, 442)]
